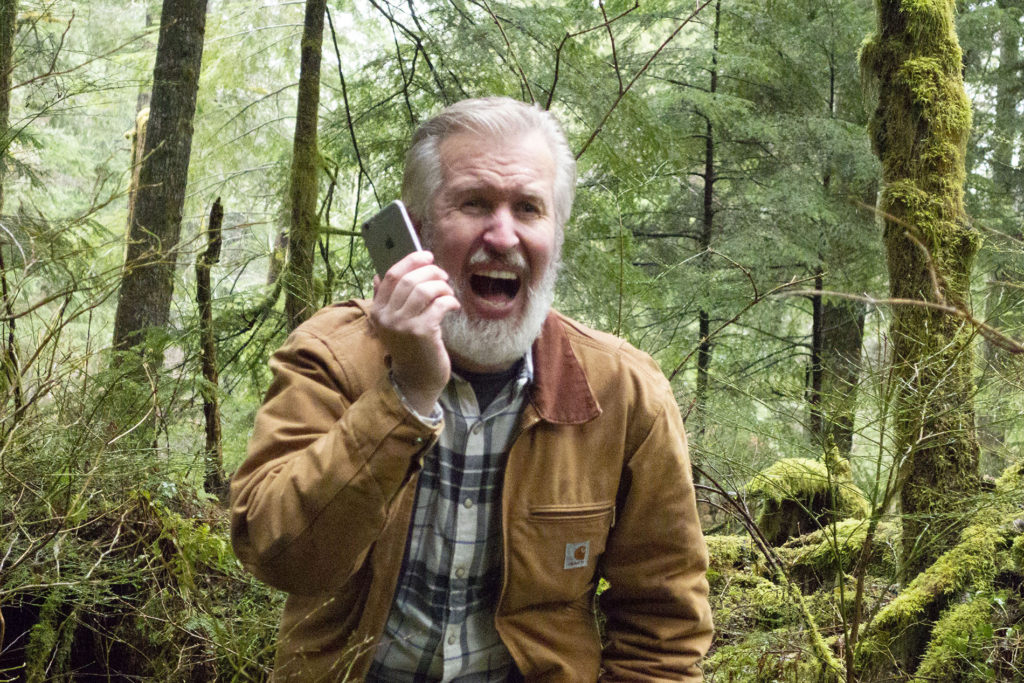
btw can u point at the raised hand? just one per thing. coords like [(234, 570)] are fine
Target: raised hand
[(409, 304)]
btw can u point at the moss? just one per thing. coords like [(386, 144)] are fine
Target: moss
[(971, 564), (960, 644), (798, 495), (49, 642), (803, 479), (766, 657), (728, 555), (727, 552), (836, 548), (1017, 553)]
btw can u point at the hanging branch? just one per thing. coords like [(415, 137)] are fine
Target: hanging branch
[(756, 299), (991, 334), (516, 66), (611, 39), (348, 117), (640, 73), (568, 36)]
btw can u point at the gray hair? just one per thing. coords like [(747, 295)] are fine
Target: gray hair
[(494, 117)]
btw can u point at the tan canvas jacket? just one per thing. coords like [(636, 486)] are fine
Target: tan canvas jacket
[(598, 475)]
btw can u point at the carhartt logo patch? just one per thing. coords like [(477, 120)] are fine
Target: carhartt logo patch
[(576, 555)]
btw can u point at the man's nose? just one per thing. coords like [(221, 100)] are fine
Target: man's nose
[(501, 235)]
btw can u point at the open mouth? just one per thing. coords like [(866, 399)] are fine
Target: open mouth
[(495, 286)]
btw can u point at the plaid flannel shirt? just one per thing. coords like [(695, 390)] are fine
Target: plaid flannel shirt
[(441, 624)]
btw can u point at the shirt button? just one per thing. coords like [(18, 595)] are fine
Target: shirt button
[(460, 573), (477, 427), (468, 503), (451, 640)]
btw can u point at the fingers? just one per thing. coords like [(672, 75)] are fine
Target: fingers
[(410, 263), (413, 297)]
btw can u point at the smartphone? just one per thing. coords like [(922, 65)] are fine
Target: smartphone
[(389, 236)]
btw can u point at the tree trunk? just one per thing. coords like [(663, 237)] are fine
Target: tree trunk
[(148, 281), (919, 131), (1005, 301), (842, 336), (10, 370), (213, 481), (704, 347), (299, 295)]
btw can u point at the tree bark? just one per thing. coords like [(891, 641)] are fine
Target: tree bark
[(213, 480), (842, 336), (707, 231), (919, 132), (1005, 301), (147, 284), (299, 302), (10, 377)]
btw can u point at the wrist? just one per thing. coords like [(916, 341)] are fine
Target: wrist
[(422, 403)]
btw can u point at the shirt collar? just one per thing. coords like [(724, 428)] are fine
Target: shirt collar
[(458, 390)]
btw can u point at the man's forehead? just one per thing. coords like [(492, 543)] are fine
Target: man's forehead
[(524, 158)]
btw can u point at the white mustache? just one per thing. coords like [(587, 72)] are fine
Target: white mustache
[(513, 260)]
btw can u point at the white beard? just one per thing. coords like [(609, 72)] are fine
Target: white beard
[(500, 342)]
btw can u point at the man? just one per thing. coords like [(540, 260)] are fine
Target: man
[(440, 477)]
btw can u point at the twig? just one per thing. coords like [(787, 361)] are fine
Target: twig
[(348, 113), (561, 45), (992, 335), (611, 39), (758, 298), (640, 73), (511, 52)]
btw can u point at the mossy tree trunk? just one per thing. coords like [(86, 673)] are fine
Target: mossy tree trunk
[(213, 480), (10, 371), (919, 132), (147, 285), (299, 299)]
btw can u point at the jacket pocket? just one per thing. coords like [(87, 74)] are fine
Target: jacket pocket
[(553, 553), (573, 513)]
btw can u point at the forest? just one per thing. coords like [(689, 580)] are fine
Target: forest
[(808, 212)]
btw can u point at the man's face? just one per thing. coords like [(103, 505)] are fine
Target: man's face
[(493, 231)]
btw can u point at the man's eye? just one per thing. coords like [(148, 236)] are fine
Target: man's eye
[(529, 207), (473, 205)]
